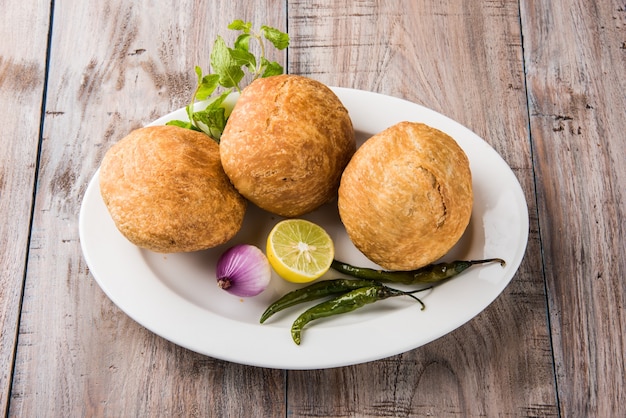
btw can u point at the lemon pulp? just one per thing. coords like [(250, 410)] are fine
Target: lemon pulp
[(299, 250)]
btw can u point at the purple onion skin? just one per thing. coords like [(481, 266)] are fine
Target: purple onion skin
[(243, 270)]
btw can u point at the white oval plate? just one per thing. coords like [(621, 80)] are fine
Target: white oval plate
[(176, 297)]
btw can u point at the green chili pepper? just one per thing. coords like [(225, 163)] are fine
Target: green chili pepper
[(347, 302), (429, 274), (314, 291)]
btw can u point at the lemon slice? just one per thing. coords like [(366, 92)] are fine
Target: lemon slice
[(299, 251)]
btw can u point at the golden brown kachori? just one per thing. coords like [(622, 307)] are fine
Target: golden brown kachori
[(286, 144), (406, 196), (166, 191)]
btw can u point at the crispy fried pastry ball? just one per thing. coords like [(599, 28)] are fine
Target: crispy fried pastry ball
[(166, 191), (286, 144), (406, 196)]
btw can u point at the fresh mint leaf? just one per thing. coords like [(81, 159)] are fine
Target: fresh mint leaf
[(212, 120), (224, 65), (239, 24), (243, 58), (217, 102), (270, 68), (207, 86), (243, 42), (279, 39), (183, 124), (198, 73)]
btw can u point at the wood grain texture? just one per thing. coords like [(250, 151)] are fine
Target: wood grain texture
[(576, 65), (463, 59), (22, 75), (542, 82), (114, 66)]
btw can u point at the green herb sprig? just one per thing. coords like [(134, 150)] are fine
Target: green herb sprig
[(229, 69)]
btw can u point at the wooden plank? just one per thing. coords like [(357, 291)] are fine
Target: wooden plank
[(116, 65), (576, 65), (463, 59), (22, 75)]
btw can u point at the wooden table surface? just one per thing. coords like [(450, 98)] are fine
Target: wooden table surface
[(543, 82)]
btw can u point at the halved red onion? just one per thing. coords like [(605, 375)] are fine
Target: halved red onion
[(243, 270)]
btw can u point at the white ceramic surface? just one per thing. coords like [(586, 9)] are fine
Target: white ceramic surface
[(176, 297)]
